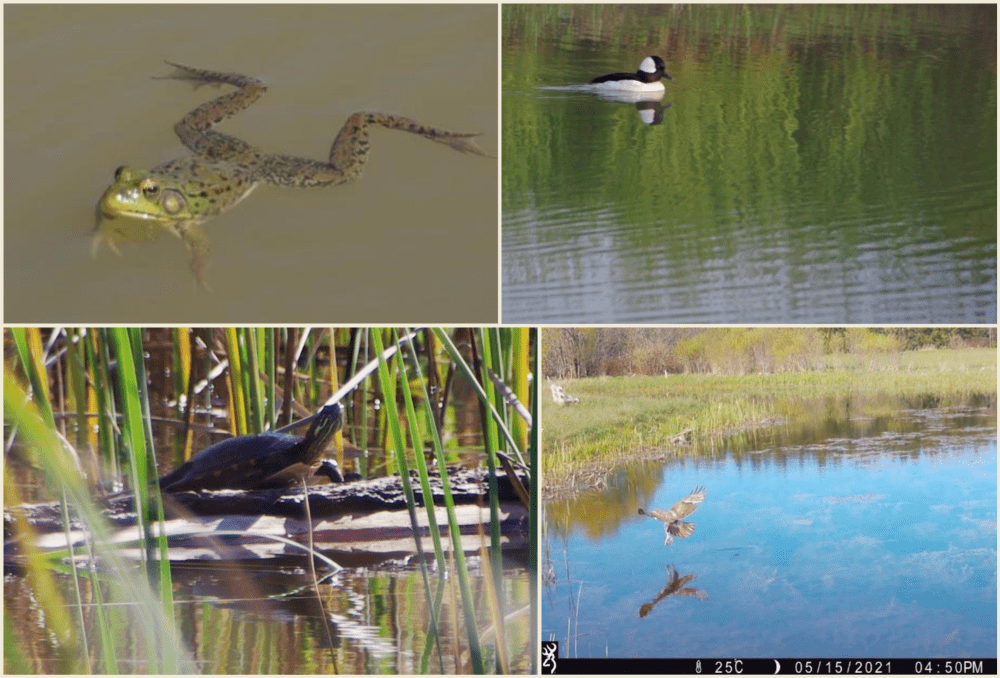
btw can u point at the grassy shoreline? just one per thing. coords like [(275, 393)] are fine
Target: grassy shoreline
[(624, 418)]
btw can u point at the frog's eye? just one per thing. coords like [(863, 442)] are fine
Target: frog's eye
[(118, 172), (150, 188)]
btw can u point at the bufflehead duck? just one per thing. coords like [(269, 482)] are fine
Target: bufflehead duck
[(646, 79)]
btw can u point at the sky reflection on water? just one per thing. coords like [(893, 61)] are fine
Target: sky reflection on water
[(875, 552)]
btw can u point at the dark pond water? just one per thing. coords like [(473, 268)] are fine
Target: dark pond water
[(870, 534), (807, 163), (240, 619)]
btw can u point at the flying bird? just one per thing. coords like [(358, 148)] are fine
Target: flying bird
[(673, 526)]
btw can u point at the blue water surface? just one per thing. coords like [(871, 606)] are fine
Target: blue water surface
[(884, 551)]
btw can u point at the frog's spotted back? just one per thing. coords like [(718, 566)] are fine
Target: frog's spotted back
[(178, 195)]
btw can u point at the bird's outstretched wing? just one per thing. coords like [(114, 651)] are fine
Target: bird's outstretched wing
[(685, 506)]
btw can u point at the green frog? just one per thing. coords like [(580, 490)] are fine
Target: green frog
[(179, 195)]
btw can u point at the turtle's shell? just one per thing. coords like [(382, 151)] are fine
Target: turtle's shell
[(257, 461)]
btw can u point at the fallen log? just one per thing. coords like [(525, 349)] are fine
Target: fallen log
[(356, 523)]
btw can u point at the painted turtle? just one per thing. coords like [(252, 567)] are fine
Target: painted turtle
[(266, 460)]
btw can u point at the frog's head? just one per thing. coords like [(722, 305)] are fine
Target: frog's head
[(136, 194)]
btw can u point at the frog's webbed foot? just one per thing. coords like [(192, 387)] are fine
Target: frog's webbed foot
[(464, 143), (459, 141), (196, 76)]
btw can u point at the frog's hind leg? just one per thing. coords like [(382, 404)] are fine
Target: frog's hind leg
[(194, 128), (349, 152)]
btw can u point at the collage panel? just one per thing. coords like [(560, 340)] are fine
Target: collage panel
[(749, 164), (765, 493), (238, 442), (158, 122), (359, 500)]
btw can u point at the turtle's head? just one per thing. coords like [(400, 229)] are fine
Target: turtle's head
[(327, 422)]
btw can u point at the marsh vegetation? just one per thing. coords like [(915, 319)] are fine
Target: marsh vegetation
[(655, 394)]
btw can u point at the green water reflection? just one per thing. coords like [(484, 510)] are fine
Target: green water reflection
[(240, 618), (812, 163)]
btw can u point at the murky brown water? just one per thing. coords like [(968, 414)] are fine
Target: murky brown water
[(414, 239)]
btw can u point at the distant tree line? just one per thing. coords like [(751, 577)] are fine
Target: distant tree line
[(571, 352)]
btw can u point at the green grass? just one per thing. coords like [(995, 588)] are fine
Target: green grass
[(620, 418)]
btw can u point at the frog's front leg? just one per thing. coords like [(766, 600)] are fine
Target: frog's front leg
[(99, 236), (197, 243), (112, 231)]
